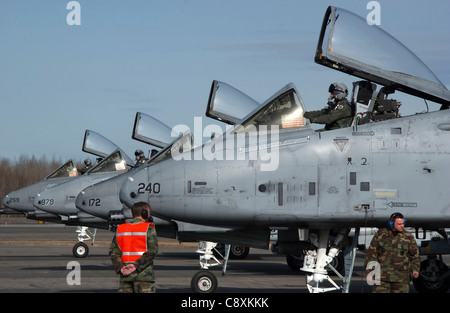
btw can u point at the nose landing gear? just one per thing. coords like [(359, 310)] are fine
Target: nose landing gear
[(81, 250)]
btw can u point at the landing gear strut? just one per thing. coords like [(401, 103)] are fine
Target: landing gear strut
[(205, 281), (317, 260), (81, 250)]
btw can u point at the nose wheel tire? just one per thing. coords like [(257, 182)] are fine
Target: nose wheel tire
[(239, 252), (204, 282), (80, 250)]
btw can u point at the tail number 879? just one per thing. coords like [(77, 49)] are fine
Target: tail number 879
[(150, 188)]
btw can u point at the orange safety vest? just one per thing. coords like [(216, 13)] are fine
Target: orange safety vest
[(132, 240)]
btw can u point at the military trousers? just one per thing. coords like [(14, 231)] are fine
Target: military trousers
[(391, 287), (137, 287)]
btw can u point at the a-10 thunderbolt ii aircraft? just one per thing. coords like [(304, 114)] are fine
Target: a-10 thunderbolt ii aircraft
[(273, 171), (102, 199), (57, 199), (22, 200), (57, 204)]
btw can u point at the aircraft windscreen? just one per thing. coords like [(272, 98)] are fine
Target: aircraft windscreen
[(67, 170), (183, 144), (347, 43), (286, 111), (114, 162)]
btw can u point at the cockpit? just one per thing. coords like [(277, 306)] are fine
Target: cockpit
[(182, 144), (113, 163), (347, 43), (372, 105), (284, 109), (66, 170)]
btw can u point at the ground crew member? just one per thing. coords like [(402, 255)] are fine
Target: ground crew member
[(133, 250), (396, 252), (339, 112)]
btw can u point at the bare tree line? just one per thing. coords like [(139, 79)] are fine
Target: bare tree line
[(23, 172)]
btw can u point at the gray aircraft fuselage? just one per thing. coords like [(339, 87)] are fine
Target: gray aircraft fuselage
[(298, 178), (60, 199), (22, 200), (347, 177)]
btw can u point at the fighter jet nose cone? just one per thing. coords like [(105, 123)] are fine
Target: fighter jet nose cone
[(80, 200), (126, 195), (6, 201), (38, 201), (45, 203)]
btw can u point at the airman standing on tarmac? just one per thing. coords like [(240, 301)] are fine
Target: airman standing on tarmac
[(133, 250), (395, 251)]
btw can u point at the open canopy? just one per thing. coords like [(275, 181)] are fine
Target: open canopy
[(96, 144), (349, 44), (152, 131), (227, 104)]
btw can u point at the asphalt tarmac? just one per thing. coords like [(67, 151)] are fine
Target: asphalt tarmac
[(38, 258)]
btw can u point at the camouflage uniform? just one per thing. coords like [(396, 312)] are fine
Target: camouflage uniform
[(143, 279), (398, 256), (334, 118)]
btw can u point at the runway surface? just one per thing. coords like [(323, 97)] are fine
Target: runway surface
[(37, 259)]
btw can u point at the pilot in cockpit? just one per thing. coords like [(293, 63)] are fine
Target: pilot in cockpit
[(87, 166), (338, 114), (140, 158)]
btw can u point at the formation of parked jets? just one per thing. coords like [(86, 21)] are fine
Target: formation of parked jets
[(271, 171)]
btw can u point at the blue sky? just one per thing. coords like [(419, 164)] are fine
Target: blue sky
[(160, 57)]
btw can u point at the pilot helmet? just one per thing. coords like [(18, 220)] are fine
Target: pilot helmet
[(139, 154), (87, 162), (338, 90)]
